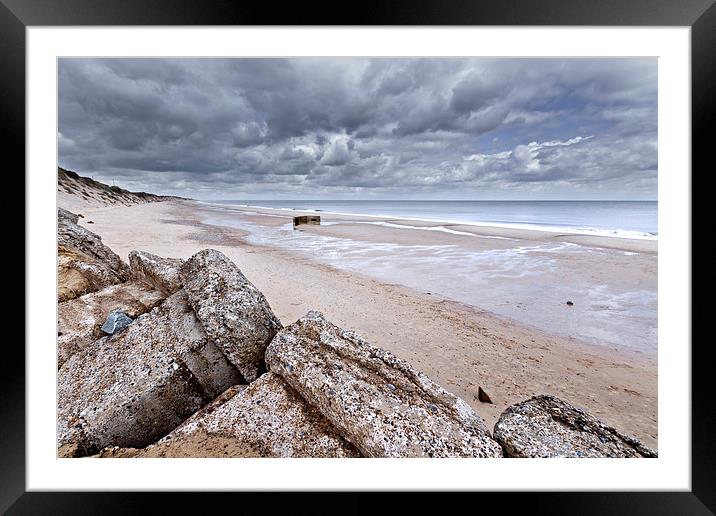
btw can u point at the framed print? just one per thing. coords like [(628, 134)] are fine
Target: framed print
[(431, 248)]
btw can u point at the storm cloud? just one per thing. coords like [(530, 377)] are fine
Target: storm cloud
[(450, 128)]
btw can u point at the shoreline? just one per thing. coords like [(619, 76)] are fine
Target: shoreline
[(624, 243), (462, 347), (629, 235), (632, 354), (525, 275)]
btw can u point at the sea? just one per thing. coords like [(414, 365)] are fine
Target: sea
[(626, 219)]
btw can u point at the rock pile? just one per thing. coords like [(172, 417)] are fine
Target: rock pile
[(201, 367), (132, 388), (266, 419)]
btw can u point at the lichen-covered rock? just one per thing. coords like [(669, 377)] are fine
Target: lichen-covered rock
[(234, 313), (134, 387), (546, 426), (377, 401), (266, 419), (161, 273), (84, 264), (79, 319)]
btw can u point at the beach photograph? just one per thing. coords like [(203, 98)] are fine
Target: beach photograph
[(345, 257)]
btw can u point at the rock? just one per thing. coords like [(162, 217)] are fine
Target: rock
[(85, 264), (134, 387), (546, 426), (79, 320), (112, 452), (70, 451), (67, 216), (78, 274), (266, 419), (116, 321), (482, 396), (161, 273), (377, 401), (234, 313)]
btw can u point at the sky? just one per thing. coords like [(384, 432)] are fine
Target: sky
[(362, 128)]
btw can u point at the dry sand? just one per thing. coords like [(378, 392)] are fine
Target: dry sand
[(459, 346)]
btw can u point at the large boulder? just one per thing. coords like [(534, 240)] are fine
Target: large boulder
[(234, 313), (161, 273), (79, 320), (377, 401), (134, 387), (266, 419), (84, 264), (546, 426)]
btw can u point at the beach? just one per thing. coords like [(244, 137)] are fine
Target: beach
[(471, 306)]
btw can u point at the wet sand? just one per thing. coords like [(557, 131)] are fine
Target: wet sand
[(524, 275)]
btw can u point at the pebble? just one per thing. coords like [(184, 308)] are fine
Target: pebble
[(116, 320)]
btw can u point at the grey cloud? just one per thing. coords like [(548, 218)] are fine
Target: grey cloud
[(338, 152), (474, 92), (333, 127), (396, 83), (247, 134)]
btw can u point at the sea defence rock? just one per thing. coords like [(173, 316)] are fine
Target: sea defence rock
[(377, 401), (79, 320), (85, 264), (161, 273), (234, 313), (266, 419), (132, 388), (546, 426), (65, 216)]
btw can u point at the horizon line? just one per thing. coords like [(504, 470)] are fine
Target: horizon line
[(447, 200)]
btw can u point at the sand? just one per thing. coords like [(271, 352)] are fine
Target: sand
[(460, 346)]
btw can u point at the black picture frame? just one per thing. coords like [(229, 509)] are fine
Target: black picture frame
[(700, 15)]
